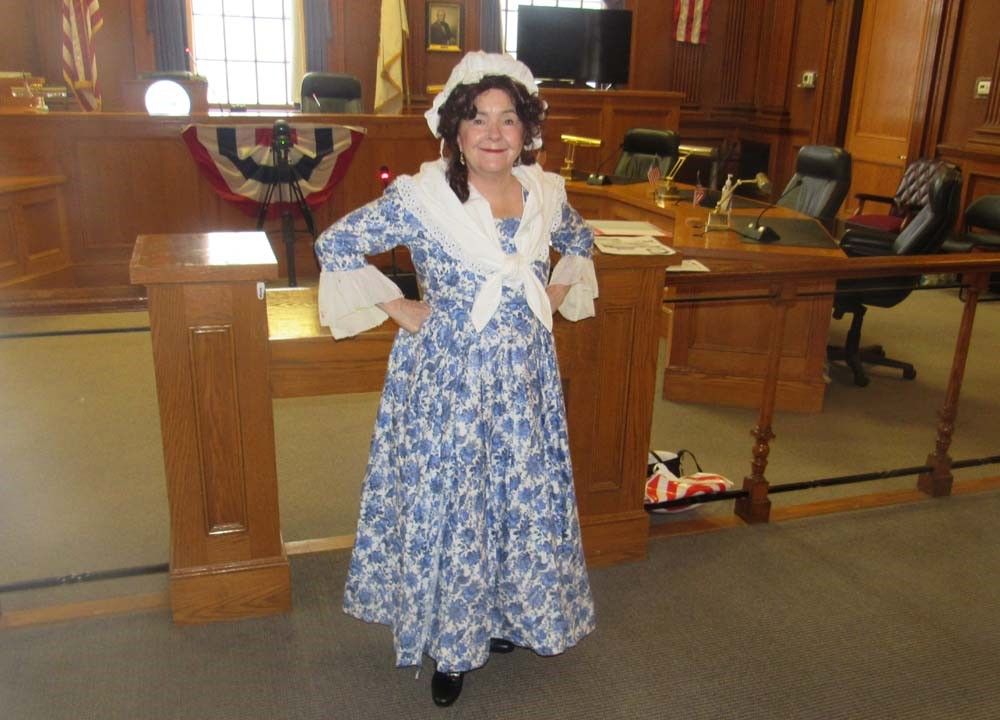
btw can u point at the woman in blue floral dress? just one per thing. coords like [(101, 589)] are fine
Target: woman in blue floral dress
[(468, 541)]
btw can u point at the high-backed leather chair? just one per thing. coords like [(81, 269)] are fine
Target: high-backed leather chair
[(911, 195), (642, 147), (982, 215), (923, 235), (324, 92), (820, 183)]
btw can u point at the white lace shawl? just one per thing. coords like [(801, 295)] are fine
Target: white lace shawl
[(467, 232)]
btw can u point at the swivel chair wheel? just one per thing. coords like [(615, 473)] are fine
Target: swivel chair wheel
[(909, 374), (861, 379)]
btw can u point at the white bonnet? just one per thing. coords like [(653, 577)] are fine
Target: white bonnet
[(474, 67)]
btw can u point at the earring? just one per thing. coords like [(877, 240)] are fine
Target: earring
[(461, 158)]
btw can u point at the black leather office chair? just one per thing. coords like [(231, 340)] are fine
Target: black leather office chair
[(982, 215), (820, 183), (642, 147), (330, 93), (924, 235)]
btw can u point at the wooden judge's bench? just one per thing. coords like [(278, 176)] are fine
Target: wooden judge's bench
[(121, 175)]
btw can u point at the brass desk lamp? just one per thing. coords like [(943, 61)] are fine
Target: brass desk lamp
[(667, 188), (572, 141)]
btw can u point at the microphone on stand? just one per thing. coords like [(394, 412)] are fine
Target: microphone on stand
[(763, 233), (597, 177)]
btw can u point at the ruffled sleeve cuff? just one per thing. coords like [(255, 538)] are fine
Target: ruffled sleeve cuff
[(348, 299), (578, 273)]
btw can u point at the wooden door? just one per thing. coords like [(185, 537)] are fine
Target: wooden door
[(885, 111)]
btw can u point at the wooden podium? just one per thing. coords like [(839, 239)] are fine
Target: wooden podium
[(209, 329)]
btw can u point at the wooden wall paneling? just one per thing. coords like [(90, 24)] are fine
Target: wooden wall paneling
[(780, 19), (988, 133), (687, 73), (143, 44), (740, 55), (10, 262), (810, 50), (115, 52), (336, 50), (18, 40), (654, 51), (929, 59), (973, 29), (33, 228), (834, 93), (40, 220), (359, 35), (731, 89)]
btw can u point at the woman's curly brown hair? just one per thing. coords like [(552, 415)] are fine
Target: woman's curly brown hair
[(461, 105)]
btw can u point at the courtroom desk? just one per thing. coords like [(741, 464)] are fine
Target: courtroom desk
[(608, 368), (719, 351)]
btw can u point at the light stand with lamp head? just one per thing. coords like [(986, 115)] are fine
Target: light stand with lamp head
[(572, 141), (719, 217), (667, 188)]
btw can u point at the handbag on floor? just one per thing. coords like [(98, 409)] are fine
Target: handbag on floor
[(667, 481)]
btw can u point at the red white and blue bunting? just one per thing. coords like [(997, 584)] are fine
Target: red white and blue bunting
[(239, 164)]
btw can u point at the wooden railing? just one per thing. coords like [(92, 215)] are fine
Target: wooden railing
[(787, 280)]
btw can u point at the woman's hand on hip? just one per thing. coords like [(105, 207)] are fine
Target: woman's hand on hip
[(556, 293), (408, 314)]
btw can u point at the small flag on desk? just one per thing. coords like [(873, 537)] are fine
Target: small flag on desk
[(654, 174), (691, 20), (699, 192)]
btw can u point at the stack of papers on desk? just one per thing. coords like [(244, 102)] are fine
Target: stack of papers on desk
[(621, 228), (632, 245)]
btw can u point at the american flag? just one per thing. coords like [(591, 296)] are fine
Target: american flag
[(699, 192), (81, 19), (654, 174), (691, 20)]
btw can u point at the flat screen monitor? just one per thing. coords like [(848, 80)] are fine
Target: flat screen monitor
[(573, 44)]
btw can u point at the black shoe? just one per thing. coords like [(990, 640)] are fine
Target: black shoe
[(498, 645), (446, 687)]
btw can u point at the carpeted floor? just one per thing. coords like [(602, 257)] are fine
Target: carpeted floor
[(82, 485), (888, 613)]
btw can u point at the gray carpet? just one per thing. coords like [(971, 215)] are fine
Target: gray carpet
[(81, 468), (888, 613)]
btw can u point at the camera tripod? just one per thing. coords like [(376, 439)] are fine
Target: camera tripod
[(286, 180)]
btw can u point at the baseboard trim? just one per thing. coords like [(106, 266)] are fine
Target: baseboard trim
[(84, 610)]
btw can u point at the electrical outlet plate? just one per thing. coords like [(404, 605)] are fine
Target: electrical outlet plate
[(983, 87)]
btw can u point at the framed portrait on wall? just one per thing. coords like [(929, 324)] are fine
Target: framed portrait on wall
[(444, 27)]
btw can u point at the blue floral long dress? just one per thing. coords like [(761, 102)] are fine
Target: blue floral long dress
[(468, 527)]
